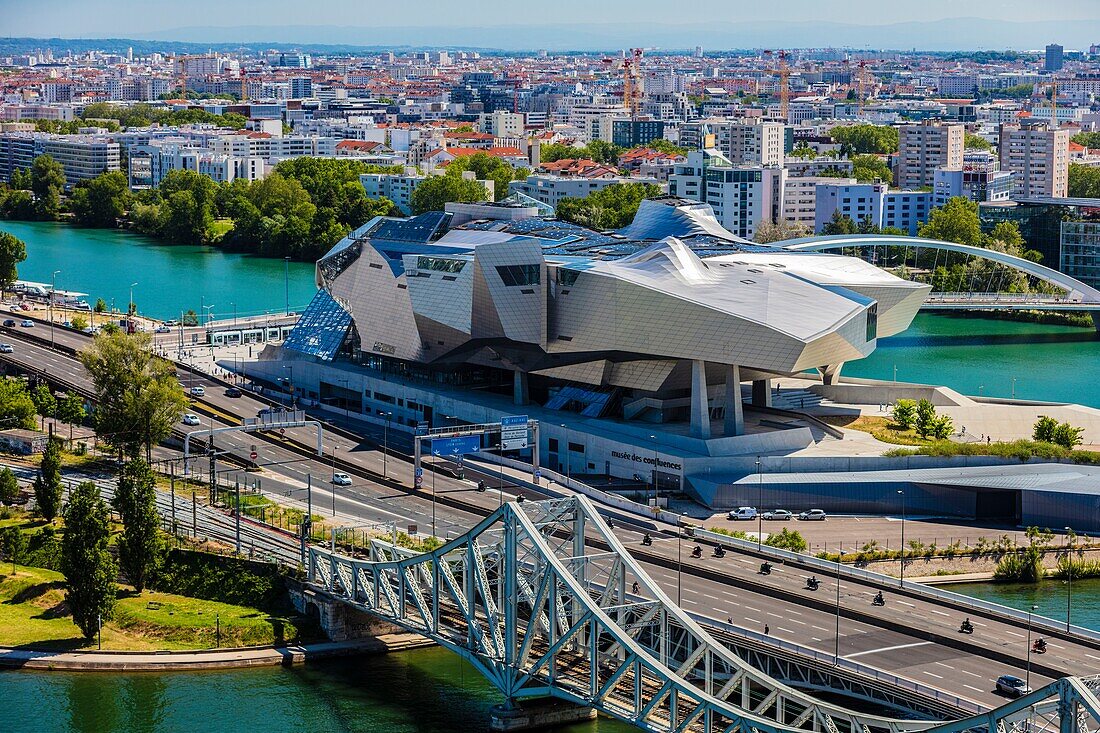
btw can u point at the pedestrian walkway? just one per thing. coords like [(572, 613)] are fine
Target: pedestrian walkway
[(92, 660)]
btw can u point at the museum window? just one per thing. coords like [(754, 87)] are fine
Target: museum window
[(513, 275)]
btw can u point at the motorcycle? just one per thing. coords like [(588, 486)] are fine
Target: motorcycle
[(812, 583), (647, 540), (1039, 647), (878, 600), (634, 588), (719, 552), (966, 627), (697, 551), (765, 568)]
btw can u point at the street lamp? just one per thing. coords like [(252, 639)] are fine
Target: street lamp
[(836, 647), (1014, 388), (654, 439), (208, 309), (53, 288), (130, 310), (902, 495), (895, 375), (286, 284), (1069, 580), (1027, 680), (435, 469), (679, 555), (759, 505), (385, 442)]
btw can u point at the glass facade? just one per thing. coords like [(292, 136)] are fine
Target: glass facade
[(321, 329), (1081, 251)]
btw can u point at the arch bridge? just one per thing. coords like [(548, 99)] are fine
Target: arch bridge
[(1070, 294), (540, 612)]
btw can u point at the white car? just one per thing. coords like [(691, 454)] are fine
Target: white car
[(191, 419), (812, 515), (163, 329), (27, 323), (341, 479), (6, 348), (778, 515), (742, 513), (198, 391)]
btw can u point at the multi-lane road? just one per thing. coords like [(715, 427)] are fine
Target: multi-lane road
[(910, 637)]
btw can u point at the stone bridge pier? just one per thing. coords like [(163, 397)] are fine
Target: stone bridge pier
[(339, 621)]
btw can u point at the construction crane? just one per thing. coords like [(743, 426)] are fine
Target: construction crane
[(783, 71), (1053, 84), (631, 65), (862, 80)]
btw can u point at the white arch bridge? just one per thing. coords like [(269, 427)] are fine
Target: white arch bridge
[(541, 613), (1073, 294)]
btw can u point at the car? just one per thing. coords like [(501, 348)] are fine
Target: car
[(232, 392), (191, 419), (1012, 685), (163, 329), (9, 322), (89, 329), (198, 391), (812, 515), (6, 348), (778, 515), (341, 479), (27, 323), (742, 513)]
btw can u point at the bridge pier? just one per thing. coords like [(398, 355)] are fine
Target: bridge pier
[(542, 712)]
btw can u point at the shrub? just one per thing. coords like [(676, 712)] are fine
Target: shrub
[(905, 413), (788, 539), (926, 414)]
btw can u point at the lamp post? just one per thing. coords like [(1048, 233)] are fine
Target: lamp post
[(1027, 678), (654, 439), (836, 647), (759, 505), (286, 283), (679, 556), (207, 309), (895, 375), (53, 289), (1014, 388), (130, 310), (1069, 581), (386, 442), (902, 495), (435, 457)]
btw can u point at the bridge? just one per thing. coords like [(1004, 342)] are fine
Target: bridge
[(542, 610), (1060, 292)]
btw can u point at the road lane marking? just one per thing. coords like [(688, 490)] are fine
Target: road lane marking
[(905, 603), (930, 674), (945, 665), (972, 674), (888, 649), (975, 689), (938, 613), (786, 631)]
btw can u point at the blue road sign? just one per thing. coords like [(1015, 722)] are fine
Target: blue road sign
[(456, 446), (513, 432)]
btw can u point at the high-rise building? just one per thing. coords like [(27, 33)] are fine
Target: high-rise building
[(1038, 159), (925, 147), (750, 142), (301, 87), (1053, 59), (742, 197)]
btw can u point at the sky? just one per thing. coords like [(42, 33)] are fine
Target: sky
[(142, 18)]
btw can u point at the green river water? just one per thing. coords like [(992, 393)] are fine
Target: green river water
[(431, 690)]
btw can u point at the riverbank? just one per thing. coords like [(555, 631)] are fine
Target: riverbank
[(240, 657)]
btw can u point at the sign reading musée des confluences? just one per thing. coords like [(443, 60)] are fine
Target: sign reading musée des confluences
[(647, 460)]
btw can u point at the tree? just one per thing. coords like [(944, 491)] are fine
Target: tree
[(976, 142), (1044, 428), (138, 398), (139, 547), (485, 167), (1067, 436), (905, 413), (867, 168), (941, 427), (9, 486), (45, 404), (13, 543), (435, 191), (16, 407), (12, 252), (79, 322), (1084, 181), (70, 409), (662, 145), (839, 224), (47, 484), (956, 221), (926, 414), (47, 183), (102, 201), (780, 231), (880, 139), (611, 207), (1088, 139), (87, 565), (100, 305), (190, 318)]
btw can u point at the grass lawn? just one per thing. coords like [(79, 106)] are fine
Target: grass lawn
[(33, 613), (882, 428)]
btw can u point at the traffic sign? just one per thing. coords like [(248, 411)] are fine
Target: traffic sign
[(513, 432), (419, 471), (412, 530), (419, 480), (456, 446), (253, 455)]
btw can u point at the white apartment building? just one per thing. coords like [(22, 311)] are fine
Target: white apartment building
[(750, 142), (501, 123), (149, 164), (82, 156), (742, 197), (274, 149), (399, 187), (551, 189), (1038, 158), (925, 147), (800, 198)]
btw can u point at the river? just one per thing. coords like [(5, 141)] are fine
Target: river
[(171, 278), (421, 691)]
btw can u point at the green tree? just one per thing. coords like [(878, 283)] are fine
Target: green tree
[(435, 191), (976, 142), (70, 409), (1044, 428), (100, 305), (611, 207), (956, 221), (1088, 139), (12, 252), (47, 484), (16, 407), (905, 413), (941, 427), (186, 213), (1067, 436), (138, 398), (867, 168), (787, 539), (139, 548), (45, 404), (880, 139), (485, 167), (190, 318), (839, 224), (1084, 181), (47, 183), (779, 231), (13, 544), (926, 415), (89, 570), (78, 322), (102, 201), (9, 486), (661, 145)]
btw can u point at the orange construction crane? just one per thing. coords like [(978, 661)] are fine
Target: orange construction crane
[(783, 71), (862, 79)]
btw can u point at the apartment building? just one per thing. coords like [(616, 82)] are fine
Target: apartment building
[(742, 197), (1080, 251), (147, 165), (399, 187), (979, 179), (800, 198), (873, 202), (1037, 157), (82, 156), (925, 147), (550, 189), (750, 142)]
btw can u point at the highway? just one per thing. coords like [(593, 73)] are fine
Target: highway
[(905, 638)]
